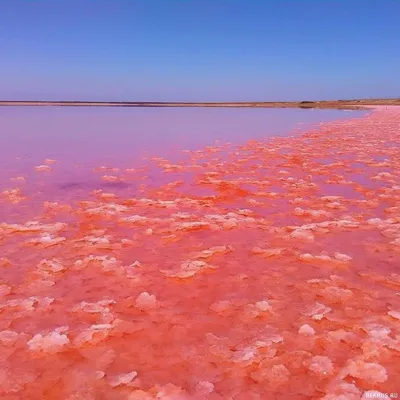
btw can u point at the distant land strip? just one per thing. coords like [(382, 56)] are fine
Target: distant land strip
[(336, 104)]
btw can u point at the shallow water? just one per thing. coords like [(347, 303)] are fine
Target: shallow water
[(84, 138), (262, 269), (119, 135)]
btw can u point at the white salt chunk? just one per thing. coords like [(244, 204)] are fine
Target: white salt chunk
[(321, 365), (263, 305), (122, 379), (204, 387), (394, 314), (53, 342), (370, 372), (146, 301), (306, 330)]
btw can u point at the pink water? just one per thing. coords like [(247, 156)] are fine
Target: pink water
[(262, 269), (82, 139)]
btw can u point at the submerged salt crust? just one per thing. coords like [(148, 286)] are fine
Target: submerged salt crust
[(265, 270)]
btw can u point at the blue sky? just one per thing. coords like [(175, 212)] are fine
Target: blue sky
[(205, 50)]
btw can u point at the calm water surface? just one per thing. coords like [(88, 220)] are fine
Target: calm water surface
[(117, 135), (84, 138)]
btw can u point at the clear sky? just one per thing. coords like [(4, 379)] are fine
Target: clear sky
[(205, 50)]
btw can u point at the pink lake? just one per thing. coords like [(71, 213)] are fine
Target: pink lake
[(199, 254), (93, 135), (87, 137)]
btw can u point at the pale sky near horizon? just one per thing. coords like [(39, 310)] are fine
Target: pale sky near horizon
[(199, 50)]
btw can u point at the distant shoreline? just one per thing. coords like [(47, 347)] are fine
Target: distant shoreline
[(327, 104)]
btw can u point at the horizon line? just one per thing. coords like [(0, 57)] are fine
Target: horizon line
[(305, 104), (202, 102)]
